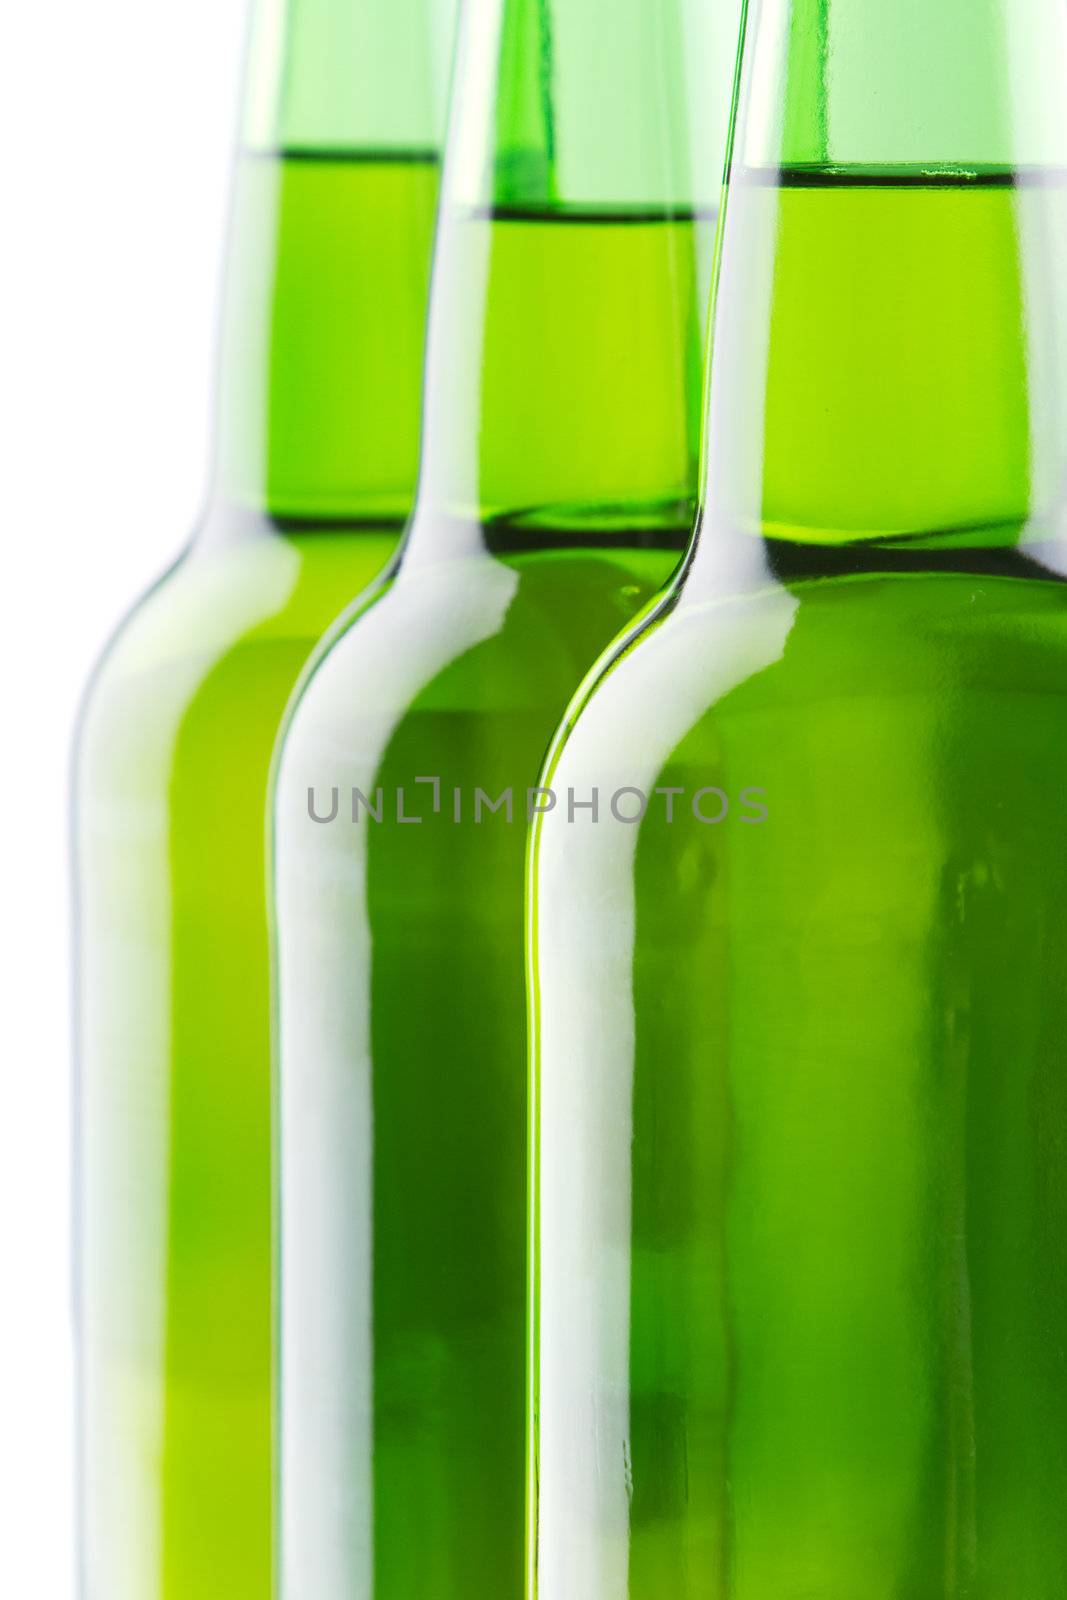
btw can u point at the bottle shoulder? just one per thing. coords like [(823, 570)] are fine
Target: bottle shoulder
[(478, 636), (701, 675), (224, 634)]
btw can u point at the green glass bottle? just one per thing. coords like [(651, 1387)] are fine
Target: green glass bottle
[(800, 1017), (559, 476), (317, 453)]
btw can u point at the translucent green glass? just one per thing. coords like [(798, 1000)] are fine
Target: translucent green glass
[(558, 482), (317, 455), (799, 1018)]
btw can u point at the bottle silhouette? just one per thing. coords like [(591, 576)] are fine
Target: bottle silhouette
[(558, 482), (316, 458), (799, 1018)]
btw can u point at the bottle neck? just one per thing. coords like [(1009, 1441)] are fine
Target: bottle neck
[(917, 84), (889, 354), (573, 262), (324, 320)]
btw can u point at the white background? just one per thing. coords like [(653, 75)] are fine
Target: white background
[(117, 119)]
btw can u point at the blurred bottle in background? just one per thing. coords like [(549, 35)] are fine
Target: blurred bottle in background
[(558, 484), (317, 443)]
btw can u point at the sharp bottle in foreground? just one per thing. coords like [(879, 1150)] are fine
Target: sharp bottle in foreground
[(802, 1086)]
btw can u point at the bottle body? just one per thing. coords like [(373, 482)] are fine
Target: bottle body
[(801, 1193), (403, 1095), (796, 996), (322, 337), (174, 1169), (558, 473)]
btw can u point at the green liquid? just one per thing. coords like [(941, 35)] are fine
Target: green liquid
[(803, 1085), (321, 373), (581, 405), (331, 253), (910, 386)]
